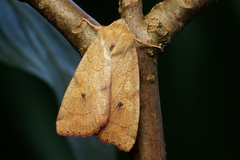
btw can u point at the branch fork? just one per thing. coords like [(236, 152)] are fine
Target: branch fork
[(166, 20)]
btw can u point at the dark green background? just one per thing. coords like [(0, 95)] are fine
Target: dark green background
[(199, 89)]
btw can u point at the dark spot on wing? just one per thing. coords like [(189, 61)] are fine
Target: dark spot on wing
[(112, 46), (83, 95), (120, 104), (104, 88)]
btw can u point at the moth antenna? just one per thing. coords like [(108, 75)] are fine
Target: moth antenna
[(92, 25), (149, 45)]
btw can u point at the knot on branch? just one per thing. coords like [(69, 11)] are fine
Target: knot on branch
[(125, 3), (185, 3), (159, 32)]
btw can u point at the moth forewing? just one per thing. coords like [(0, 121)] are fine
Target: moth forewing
[(103, 97)]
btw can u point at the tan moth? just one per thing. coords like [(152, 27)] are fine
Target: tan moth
[(103, 98)]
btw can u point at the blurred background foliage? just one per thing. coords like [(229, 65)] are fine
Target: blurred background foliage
[(198, 76)]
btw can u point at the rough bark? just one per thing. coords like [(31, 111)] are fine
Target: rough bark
[(168, 18), (150, 140), (66, 17), (159, 27)]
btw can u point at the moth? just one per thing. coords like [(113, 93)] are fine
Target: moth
[(102, 98)]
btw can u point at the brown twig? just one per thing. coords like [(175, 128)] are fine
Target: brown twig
[(159, 27), (171, 16), (150, 140), (66, 17)]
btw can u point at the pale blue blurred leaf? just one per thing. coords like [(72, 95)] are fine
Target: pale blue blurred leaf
[(29, 42)]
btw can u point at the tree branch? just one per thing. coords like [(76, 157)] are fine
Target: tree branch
[(150, 140), (66, 17), (159, 27), (168, 18)]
